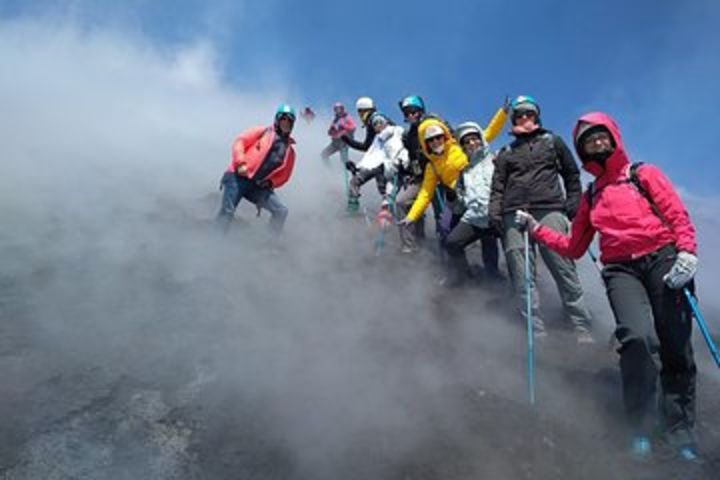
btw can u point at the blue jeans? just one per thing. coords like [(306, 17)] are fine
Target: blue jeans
[(235, 188)]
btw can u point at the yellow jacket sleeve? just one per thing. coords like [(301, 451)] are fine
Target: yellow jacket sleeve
[(425, 195), (495, 126)]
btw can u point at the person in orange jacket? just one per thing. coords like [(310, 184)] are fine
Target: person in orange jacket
[(262, 160)]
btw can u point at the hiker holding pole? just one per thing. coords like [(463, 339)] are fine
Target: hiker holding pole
[(648, 248)]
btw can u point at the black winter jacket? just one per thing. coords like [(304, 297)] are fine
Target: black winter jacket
[(527, 176)]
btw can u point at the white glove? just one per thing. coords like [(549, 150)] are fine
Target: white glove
[(682, 271), (524, 219)]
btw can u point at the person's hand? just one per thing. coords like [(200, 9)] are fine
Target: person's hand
[(350, 165), (405, 222), (682, 271), (524, 220), (242, 170)]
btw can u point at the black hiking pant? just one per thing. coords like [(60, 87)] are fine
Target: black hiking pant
[(642, 303), (462, 235)]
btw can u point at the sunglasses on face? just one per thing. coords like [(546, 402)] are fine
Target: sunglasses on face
[(411, 111), (523, 114), (286, 116), (436, 138)]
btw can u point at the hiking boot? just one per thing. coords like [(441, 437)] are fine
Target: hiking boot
[(689, 453), (584, 337), (641, 448), (353, 206)]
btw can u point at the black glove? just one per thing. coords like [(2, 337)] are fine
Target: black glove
[(350, 165), (450, 194)]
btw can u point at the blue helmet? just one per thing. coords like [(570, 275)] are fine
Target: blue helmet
[(415, 101), (285, 109), (525, 102)]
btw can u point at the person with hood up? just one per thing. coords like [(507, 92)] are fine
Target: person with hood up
[(342, 124), (262, 160), (382, 160), (471, 219), (446, 160), (648, 248), (527, 176)]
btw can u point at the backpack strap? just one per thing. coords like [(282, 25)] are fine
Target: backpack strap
[(635, 181)]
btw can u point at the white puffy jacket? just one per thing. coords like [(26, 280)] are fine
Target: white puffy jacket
[(474, 189), (387, 149)]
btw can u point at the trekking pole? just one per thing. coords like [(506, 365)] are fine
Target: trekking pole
[(692, 301), (528, 306)]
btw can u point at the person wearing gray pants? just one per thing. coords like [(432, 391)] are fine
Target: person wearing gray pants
[(561, 268)]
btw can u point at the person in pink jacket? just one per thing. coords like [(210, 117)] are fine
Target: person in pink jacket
[(262, 160), (648, 248), (342, 124)]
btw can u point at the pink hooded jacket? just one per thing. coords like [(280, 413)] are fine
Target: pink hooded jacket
[(627, 225)]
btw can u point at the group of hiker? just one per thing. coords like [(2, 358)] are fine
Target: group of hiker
[(527, 196)]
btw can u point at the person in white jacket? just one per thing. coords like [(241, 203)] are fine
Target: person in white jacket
[(470, 215), (382, 160)]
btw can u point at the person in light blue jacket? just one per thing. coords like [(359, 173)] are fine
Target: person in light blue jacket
[(471, 220)]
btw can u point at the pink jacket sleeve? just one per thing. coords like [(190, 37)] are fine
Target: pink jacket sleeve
[(243, 142), (577, 242), (670, 206)]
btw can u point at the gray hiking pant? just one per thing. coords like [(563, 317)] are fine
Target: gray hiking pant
[(561, 268), (409, 234), (336, 146)]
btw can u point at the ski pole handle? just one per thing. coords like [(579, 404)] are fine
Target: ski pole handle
[(702, 326)]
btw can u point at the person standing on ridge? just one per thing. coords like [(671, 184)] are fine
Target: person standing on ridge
[(415, 112), (648, 248), (527, 176), (342, 124), (471, 221), (262, 160)]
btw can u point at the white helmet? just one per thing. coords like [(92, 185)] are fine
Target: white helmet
[(364, 103), (466, 128), (433, 131)]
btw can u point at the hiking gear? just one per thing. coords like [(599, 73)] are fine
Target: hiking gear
[(353, 205), (285, 109), (364, 103), (635, 209), (651, 318), (252, 147), (473, 188), (467, 128), (528, 176), (433, 131), (524, 219), (692, 301), (412, 101), (378, 118), (682, 271), (530, 337), (351, 167), (343, 124), (236, 188), (363, 175), (641, 448), (524, 103), (562, 270)]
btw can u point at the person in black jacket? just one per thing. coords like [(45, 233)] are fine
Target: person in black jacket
[(365, 108), (527, 176)]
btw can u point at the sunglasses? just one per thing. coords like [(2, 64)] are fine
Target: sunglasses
[(436, 138), (411, 111), (286, 116), (523, 114)]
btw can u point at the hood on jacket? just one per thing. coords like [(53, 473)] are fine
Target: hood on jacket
[(449, 139), (617, 161)]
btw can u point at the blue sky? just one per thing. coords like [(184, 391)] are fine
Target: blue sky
[(651, 64)]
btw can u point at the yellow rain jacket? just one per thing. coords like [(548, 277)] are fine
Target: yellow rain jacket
[(447, 167)]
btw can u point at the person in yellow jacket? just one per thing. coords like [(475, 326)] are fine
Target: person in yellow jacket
[(446, 159)]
